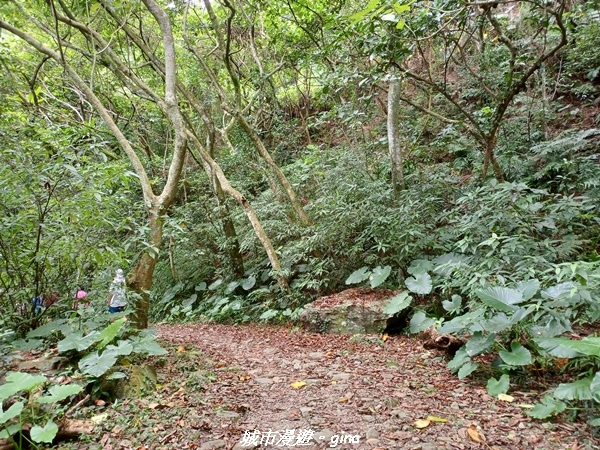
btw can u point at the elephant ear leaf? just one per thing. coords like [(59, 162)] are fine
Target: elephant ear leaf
[(358, 276), (500, 298)]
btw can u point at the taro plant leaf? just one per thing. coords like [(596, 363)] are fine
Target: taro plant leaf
[(447, 263), (248, 283), (528, 288), (420, 283), (117, 375), (479, 343), (520, 314), (518, 356), (397, 303), (595, 387), (453, 306), (11, 412), (48, 328), (19, 381), (461, 322), (420, 322), (467, 370), (10, 431), (147, 344), (45, 434), (419, 266), (500, 298), (379, 275), (496, 324), (96, 364), (231, 287), (75, 341), (110, 332), (60, 392), (358, 276), (460, 359), (123, 348), (558, 291), (555, 347), (500, 386), (26, 345), (548, 407), (201, 287), (588, 346), (577, 390)]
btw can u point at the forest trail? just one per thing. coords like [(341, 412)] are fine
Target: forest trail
[(359, 393)]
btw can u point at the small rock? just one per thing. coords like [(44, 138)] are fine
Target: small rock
[(372, 433), (369, 418), (341, 377), (454, 405), (373, 441), (399, 413), (241, 445), (305, 410), (210, 445), (263, 380), (227, 414), (316, 355), (324, 435)]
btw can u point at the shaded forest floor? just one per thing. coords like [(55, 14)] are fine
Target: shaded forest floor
[(220, 381)]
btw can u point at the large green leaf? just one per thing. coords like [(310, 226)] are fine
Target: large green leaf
[(467, 370), (562, 290), (479, 343), (420, 283), (420, 322), (75, 341), (397, 303), (454, 305), (49, 328), (500, 298), (97, 365), (528, 288), (419, 266), (588, 346), (150, 347), (459, 360), (19, 381), (358, 276), (248, 283), (379, 275), (577, 390), (123, 348), (447, 263), (595, 387), (555, 347), (496, 324), (110, 332), (11, 412), (45, 434), (10, 431), (58, 393), (500, 386), (547, 408), (518, 356)]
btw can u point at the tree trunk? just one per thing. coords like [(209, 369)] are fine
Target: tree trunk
[(140, 278), (395, 149), (490, 158), (233, 244)]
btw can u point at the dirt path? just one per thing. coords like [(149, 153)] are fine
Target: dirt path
[(360, 393)]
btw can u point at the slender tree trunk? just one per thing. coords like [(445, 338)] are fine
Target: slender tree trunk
[(233, 244), (139, 279), (393, 132), (490, 158)]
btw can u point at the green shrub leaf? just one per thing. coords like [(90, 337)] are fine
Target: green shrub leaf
[(419, 284), (10, 431), (500, 298), (555, 347), (58, 393), (45, 434), (460, 359), (379, 275), (248, 283), (518, 356), (75, 341), (500, 386), (528, 288), (397, 303), (358, 276)]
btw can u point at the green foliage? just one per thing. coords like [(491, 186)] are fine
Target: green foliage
[(19, 388)]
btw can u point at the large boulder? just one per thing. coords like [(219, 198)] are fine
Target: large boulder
[(353, 311)]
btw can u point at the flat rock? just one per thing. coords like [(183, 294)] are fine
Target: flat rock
[(210, 445)]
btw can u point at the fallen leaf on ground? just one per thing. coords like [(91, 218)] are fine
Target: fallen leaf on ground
[(474, 434), (437, 419), (422, 423), (298, 384), (244, 377), (343, 399), (506, 398), (181, 349)]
